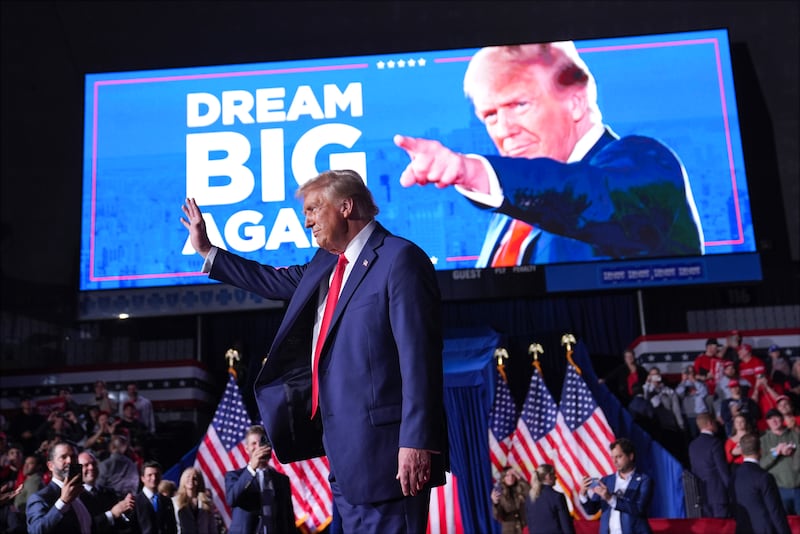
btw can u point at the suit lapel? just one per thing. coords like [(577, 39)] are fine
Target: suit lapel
[(360, 268)]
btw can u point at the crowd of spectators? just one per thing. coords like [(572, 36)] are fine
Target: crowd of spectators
[(701, 416), (117, 435)]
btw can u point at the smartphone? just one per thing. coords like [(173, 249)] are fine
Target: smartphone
[(75, 469), (264, 441), (594, 483)]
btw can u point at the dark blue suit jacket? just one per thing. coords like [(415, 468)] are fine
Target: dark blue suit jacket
[(243, 495), (626, 198), (43, 517), (380, 371), (549, 513), (633, 504), (757, 502), (708, 462), (148, 521)]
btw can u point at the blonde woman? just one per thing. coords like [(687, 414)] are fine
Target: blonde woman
[(546, 508), (194, 509)]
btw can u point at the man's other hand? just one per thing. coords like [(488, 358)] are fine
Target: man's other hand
[(413, 469)]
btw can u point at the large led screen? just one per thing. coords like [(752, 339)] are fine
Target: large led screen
[(657, 182)]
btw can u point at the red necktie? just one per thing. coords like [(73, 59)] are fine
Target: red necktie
[(330, 306), (508, 251)]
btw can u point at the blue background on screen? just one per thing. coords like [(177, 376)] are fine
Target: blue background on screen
[(670, 91)]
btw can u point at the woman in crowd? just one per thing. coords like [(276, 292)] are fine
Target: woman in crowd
[(741, 426), (508, 501), (546, 507), (622, 379), (194, 509)]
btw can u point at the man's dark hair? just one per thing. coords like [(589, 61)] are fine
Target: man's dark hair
[(153, 464), (750, 444), (51, 454), (623, 443)]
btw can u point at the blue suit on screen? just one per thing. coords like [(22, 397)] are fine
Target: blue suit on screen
[(632, 505), (627, 198), (380, 370)]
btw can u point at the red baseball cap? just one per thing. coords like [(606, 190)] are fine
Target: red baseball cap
[(733, 383)]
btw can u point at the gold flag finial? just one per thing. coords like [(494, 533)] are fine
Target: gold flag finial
[(232, 355), (536, 349), (501, 354)]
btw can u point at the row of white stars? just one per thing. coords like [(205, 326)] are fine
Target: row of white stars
[(401, 63)]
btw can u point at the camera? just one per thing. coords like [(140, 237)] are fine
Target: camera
[(75, 469), (263, 442)]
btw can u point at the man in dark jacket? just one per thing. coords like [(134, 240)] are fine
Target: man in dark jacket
[(757, 503), (707, 458), (261, 498), (58, 507)]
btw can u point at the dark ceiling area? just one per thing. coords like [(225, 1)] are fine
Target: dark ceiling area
[(48, 47)]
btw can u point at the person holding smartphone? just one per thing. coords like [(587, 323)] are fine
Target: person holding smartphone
[(259, 496), (623, 497), (57, 508), (508, 501)]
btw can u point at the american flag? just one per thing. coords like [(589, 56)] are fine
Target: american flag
[(444, 516), (535, 440), (222, 450), (311, 492), (502, 421), (585, 432)]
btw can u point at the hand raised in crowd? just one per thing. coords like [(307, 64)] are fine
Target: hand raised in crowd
[(127, 504), (72, 488), (9, 495), (260, 457)]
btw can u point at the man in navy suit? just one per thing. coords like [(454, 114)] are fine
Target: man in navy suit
[(260, 497), (154, 512), (57, 508), (707, 459), (623, 497), (103, 501), (378, 393), (565, 187), (756, 500)]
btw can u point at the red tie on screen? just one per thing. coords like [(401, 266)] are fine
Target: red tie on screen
[(508, 251), (330, 305)]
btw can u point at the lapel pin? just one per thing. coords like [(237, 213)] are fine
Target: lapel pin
[(365, 263)]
